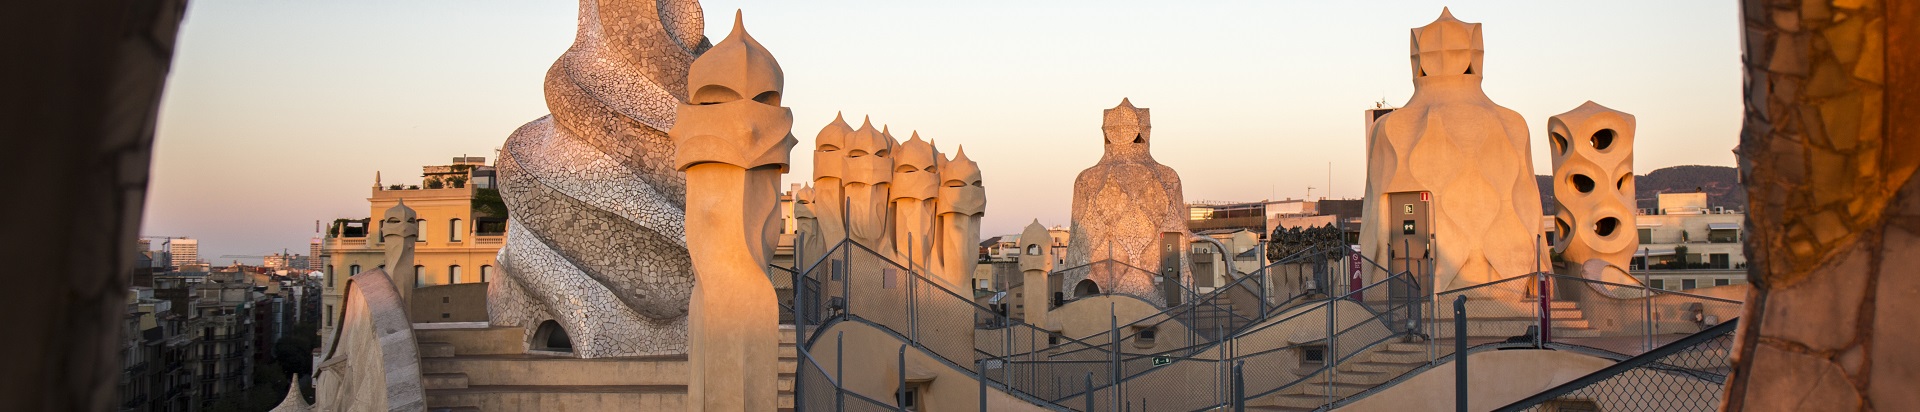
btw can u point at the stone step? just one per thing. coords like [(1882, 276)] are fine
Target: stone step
[(1399, 357), (1293, 402), (1340, 390), (436, 350), (561, 397), (443, 380), (786, 383), (1381, 367), (1564, 304), (1368, 379), (530, 370), (1404, 347)]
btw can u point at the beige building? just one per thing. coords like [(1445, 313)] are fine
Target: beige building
[(186, 252), (462, 227), (1684, 244)]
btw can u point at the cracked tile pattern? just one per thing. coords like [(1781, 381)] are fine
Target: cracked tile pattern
[(597, 240), (1828, 154), (1121, 206)]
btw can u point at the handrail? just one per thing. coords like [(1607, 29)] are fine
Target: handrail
[(1646, 288), (1724, 328)]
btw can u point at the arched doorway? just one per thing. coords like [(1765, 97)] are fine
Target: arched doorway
[(551, 337), (1086, 287)]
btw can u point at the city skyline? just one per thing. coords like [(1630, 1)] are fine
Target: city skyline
[(245, 166)]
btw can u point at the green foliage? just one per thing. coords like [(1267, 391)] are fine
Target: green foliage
[(457, 181), (434, 184), (487, 203), (1284, 242), (396, 187)]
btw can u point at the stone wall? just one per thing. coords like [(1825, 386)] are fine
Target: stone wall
[(1828, 153)]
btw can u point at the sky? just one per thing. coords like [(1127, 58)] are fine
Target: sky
[(278, 114)]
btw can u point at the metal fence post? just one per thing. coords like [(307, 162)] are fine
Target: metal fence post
[(983, 383), (1089, 393), (1113, 319), (1332, 358), (900, 396), (840, 370), (799, 318), (1239, 388), (913, 312), (1460, 353)]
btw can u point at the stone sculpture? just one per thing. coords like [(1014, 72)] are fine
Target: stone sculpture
[(1121, 208), (596, 238), (963, 201), (399, 229), (916, 182), (734, 143), (828, 202), (1592, 151), (1470, 154), (1033, 272), (869, 175), (807, 221)]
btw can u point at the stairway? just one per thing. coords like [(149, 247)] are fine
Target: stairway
[(1209, 320), (480, 369), (1492, 319), (1375, 366)]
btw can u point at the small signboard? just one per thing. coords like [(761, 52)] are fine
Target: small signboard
[(1161, 360), (1353, 274), (1408, 208)]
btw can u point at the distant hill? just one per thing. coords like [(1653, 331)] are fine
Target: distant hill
[(1721, 183)]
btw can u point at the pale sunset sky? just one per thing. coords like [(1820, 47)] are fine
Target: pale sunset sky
[(277, 114)]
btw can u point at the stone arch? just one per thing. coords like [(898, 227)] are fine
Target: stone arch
[(550, 336), (1086, 287)]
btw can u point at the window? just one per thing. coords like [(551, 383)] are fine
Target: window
[(1313, 355), (329, 279), (419, 275), (486, 272), (353, 270), (453, 230), (1720, 260), (329, 315), (453, 274), (1659, 283), (422, 230), (1721, 282), (1646, 235), (1686, 284)]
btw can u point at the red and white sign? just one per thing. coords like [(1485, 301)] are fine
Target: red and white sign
[(1353, 277)]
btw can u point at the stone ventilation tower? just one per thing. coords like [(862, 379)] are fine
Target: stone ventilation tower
[(1592, 150), (1128, 209), (596, 253), (1451, 167)]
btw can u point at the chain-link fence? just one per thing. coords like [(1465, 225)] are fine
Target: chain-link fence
[(1688, 374), (1312, 347)]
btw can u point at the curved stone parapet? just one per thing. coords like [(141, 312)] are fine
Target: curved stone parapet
[(373, 363), (596, 239)]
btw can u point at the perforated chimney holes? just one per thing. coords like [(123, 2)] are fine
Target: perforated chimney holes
[(1582, 183), (1602, 139), (1559, 143), (1605, 226), (1622, 183)]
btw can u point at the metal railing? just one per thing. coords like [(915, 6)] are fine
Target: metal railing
[(1688, 374), (1303, 348)]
